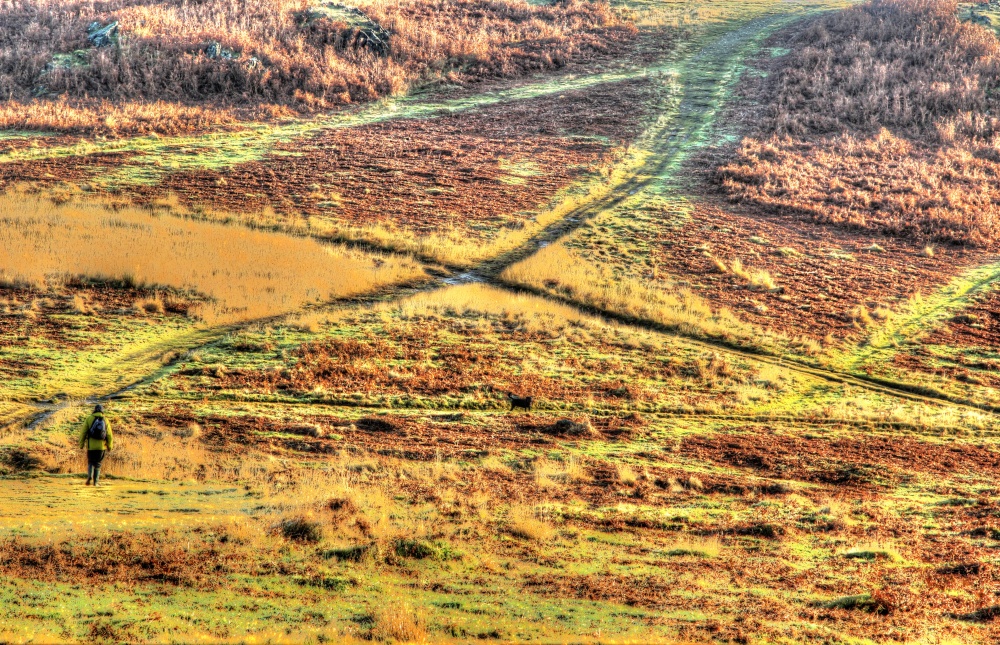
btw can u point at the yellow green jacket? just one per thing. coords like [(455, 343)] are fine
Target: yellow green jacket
[(95, 444)]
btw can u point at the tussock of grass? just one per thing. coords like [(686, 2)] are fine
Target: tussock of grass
[(395, 620), (709, 547), (524, 523), (872, 552), (302, 529)]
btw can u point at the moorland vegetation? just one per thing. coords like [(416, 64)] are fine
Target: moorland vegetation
[(880, 118), (178, 65), (329, 454)]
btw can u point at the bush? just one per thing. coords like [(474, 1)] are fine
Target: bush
[(301, 529), (355, 553)]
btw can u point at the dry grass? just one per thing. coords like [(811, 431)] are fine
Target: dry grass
[(627, 474), (880, 119), (758, 278), (553, 475), (167, 458), (245, 274), (396, 620), (160, 78), (706, 547), (118, 118), (525, 523), (559, 269)]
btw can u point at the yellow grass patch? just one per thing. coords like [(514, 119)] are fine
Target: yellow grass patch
[(558, 268), (246, 274)]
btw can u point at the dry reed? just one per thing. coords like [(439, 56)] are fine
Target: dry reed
[(882, 119)]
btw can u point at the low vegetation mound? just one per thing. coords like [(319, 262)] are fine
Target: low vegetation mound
[(879, 119), (134, 66)]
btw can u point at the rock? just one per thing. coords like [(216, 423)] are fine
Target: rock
[(216, 50), (102, 36)]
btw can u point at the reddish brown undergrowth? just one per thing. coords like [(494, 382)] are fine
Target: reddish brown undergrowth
[(427, 175), (178, 66), (879, 120)]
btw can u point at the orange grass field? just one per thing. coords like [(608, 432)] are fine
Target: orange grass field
[(245, 274)]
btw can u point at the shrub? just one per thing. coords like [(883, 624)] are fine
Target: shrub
[(571, 428), (304, 430), (150, 305), (863, 602), (417, 549), (355, 553), (301, 529)]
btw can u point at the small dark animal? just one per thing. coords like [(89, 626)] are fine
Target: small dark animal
[(519, 402)]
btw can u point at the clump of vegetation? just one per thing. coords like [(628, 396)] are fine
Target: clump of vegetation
[(923, 120), (175, 65), (395, 620), (699, 547), (873, 552), (301, 529), (524, 523)]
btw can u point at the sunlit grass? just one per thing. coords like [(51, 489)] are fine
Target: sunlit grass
[(246, 274)]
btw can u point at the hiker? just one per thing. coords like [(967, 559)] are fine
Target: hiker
[(96, 438)]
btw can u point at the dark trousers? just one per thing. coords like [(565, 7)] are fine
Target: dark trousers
[(94, 459)]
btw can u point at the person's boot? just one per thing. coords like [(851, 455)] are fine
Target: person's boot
[(90, 481)]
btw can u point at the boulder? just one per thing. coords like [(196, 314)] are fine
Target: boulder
[(216, 50), (102, 35)]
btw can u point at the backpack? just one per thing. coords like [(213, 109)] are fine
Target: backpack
[(98, 430)]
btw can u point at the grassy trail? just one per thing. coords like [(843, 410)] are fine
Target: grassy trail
[(922, 315)]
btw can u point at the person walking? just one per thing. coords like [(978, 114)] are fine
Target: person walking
[(97, 439)]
